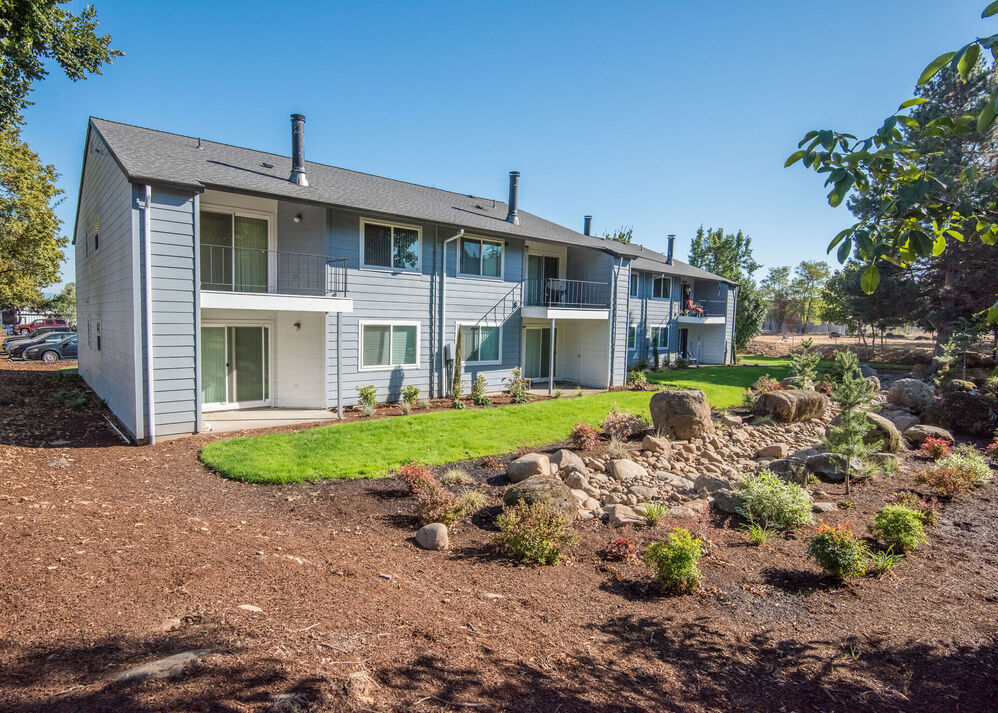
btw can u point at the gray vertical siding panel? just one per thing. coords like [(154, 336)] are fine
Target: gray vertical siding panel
[(105, 284)]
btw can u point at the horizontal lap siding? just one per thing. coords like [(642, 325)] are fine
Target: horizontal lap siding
[(619, 346), (105, 284), (173, 309)]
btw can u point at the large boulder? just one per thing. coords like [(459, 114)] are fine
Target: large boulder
[(867, 371), (545, 489), (433, 536), (884, 431), (831, 466), (790, 406), (710, 483), (529, 465), (791, 469), (727, 501), (681, 414), (965, 411), (913, 393), (567, 460), (918, 433), (903, 421)]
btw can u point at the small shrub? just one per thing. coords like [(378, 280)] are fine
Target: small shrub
[(556, 394), (368, 396), (478, 396), (637, 378), (838, 551), (517, 386), (639, 365), (945, 482), (455, 476), (773, 502), (73, 399), (471, 501), (653, 513), (675, 561), (424, 403), (898, 527), (992, 449), (805, 365), (533, 533), (749, 398), (679, 363), (957, 473), (410, 395), (824, 387), (435, 503), (621, 424), (757, 534), (767, 383), (936, 448), (584, 437), (415, 476), (457, 403), (622, 548), (492, 463), (617, 450), (367, 409), (404, 407), (928, 510), (764, 420), (582, 392)]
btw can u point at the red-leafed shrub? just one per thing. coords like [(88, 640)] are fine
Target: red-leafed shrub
[(584, 437), (620, 424), (622, 548), (435, 503), (936, 448), (415, 477)]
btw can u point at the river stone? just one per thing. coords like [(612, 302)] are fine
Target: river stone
[(657, 444), (545, 489), (624, 469), (913, 393), (618, 515), (728, 419), (643, 492), (576, 481), (681, 414), (916, 434), (564, 459), (528, 465), (433, 536), (726, 501), (790, 469), (676, 481), (774, 450), (791, 406), (831, 466), (710, 483)]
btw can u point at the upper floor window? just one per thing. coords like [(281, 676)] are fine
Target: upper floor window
[(481, 258), (632, 337), (395, 247), (635, 284), (661, 287)]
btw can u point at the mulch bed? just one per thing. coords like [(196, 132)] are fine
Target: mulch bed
[(114, 556)]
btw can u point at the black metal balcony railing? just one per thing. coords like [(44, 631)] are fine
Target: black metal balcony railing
[(577, 294), (704, 308), (230, 269)]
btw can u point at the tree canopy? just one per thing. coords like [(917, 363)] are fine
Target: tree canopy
[(623, 234)]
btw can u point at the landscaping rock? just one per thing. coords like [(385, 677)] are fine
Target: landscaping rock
[(542, 489), (791, 406), (565, 458), (576, 481), (728, 419), (867, 371), (162, 668), (620, 515), (824, 507), (657, 444), (903, 421), (682, 414), (682, 511), (529, 465), (792, 470), (726, 501), (962, 385), (831, 466), (676, 482), (775, 450), (710, 483), (433, 536), (916, 434), (875, 381), (644, 493), (965, 411), (887, 461), (912, 393), (624, 469), (884, 431)]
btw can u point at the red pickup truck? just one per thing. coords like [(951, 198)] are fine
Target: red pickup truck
[(30, 327)]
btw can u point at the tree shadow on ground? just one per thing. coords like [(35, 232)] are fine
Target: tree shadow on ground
[(794, 581)]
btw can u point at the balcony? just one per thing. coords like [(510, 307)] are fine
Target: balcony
[(703, 312), (250, 278), (579, 299)]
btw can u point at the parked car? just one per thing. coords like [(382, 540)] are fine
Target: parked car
[(66, 349), (31, 327), (8, 344), (17, 351)]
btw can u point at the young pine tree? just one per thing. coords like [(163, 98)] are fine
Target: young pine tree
[(805, 365), (845, 436)]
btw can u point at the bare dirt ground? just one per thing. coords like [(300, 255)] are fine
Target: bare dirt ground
[(113, 556), (906, 351)]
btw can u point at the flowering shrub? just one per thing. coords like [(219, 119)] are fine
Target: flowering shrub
[(772, 502), (621, 424), (675, 561), (936, 448), (584, 437), (435, 503), (415, 476), (622, 548), (898, 527), (533, 533), (838, 551)]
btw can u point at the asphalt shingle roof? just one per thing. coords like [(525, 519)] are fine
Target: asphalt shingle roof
[(151, 156)]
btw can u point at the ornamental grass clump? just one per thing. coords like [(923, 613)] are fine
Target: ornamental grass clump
[(898, 527), (774, 503), (534, 534), (838, 551), (675, 561)]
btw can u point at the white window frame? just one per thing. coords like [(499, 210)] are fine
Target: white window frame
[(661, 330), (233, 213), (635, 285), (496, 325), (391, 268), (391, 336), (668, 292), (632, 338), (502, 258)]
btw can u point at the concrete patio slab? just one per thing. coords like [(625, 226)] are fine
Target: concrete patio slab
[(242, 419)]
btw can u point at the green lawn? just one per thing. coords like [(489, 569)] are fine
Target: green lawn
[(368, 449)]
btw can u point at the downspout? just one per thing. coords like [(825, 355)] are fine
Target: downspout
[(197, 314), (339, 365), (147, 227), (627, 313), (613, 321), (734, 324), (443, 305)]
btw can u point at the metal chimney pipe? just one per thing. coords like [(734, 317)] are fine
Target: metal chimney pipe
[(514, 195), (672, 244), (587, 225), (298, 150)]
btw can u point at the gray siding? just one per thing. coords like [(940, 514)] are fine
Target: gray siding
[(621, 273), (105, 285)]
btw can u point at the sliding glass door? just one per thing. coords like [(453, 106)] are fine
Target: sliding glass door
[(234, 255), (235, 366), (537, 354)]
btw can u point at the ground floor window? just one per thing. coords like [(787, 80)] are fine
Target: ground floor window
[(480, 344), (389, 345), (632, 337), (660, 337)]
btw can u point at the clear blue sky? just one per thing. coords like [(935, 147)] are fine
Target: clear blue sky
[(661, 115)]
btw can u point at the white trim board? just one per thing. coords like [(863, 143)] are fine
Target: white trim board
[(211, 299)]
